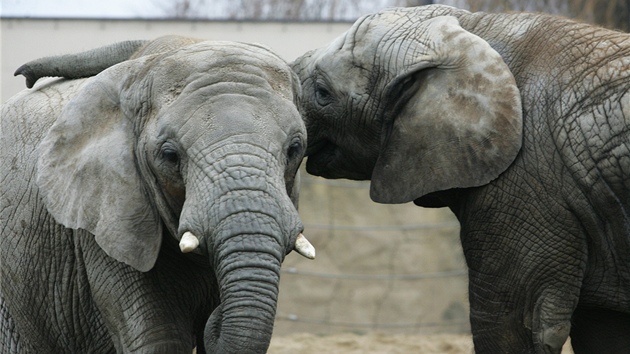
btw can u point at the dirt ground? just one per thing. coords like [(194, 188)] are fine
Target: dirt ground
[(347, 343)]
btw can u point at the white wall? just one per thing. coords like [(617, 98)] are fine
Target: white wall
[(27, 39)]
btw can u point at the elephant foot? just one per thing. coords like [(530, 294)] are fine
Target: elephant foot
[(552, 324), (554, 337)]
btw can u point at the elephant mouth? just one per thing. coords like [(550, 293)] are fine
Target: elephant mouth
[(321, 158), (315, 147), (328, 160)]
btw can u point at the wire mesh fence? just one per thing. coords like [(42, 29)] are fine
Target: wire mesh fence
[(386, 268)]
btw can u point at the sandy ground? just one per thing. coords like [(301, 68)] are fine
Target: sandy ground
[(347, 343)]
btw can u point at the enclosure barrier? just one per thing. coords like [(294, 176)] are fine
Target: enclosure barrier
[(386, 268)]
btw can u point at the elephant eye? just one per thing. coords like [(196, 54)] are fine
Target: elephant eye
[(169, 154), (322, 95), (294, 150)]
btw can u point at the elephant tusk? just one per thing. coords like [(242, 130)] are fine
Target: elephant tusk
[(188, 242), (303, 247)]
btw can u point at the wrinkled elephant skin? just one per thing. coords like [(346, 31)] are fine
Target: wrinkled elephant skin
[(148, 209), (520, 124)]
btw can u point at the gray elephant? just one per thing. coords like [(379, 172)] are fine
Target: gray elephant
[(520, 124), (148, 209)]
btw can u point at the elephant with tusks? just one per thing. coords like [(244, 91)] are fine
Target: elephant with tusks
[(520, 124), (148, 209)]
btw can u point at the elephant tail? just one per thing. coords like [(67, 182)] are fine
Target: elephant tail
[(79, 65)]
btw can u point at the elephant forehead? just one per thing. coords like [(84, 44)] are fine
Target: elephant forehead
[(232, 50), (204, 118), (226, 61), (401, 32), (409, 16), (342, 67), (369, 44)]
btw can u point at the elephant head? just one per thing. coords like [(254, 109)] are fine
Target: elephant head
[(201, 145), (411, 101)]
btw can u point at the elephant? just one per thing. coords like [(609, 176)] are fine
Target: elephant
[(520, 124), (148, 209)]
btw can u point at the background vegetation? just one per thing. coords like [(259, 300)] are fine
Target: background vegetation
[(609, 13)]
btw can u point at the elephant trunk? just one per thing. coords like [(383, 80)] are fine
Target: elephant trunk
[(75, 66), (248, 281), (247, 224)]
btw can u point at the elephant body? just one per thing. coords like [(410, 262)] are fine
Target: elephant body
[(46, 265), (566, 211), (536, 167), (102, 178)]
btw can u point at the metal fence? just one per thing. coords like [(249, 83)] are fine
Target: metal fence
[(386, 268)]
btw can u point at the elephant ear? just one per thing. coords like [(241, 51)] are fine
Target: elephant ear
[(88, 176), (453, 117)]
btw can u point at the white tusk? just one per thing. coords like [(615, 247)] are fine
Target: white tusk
[(303, 247), (188, 242)]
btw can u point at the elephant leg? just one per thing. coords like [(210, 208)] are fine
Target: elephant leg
[(495, 329), (600, 331), (149, 312), (504, 319), (525, 279), (9, 338)]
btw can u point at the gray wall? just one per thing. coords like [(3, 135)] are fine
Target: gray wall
[(391, 268)]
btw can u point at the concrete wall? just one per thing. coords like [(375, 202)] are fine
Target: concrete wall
[(385, 268), (393, 268)]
